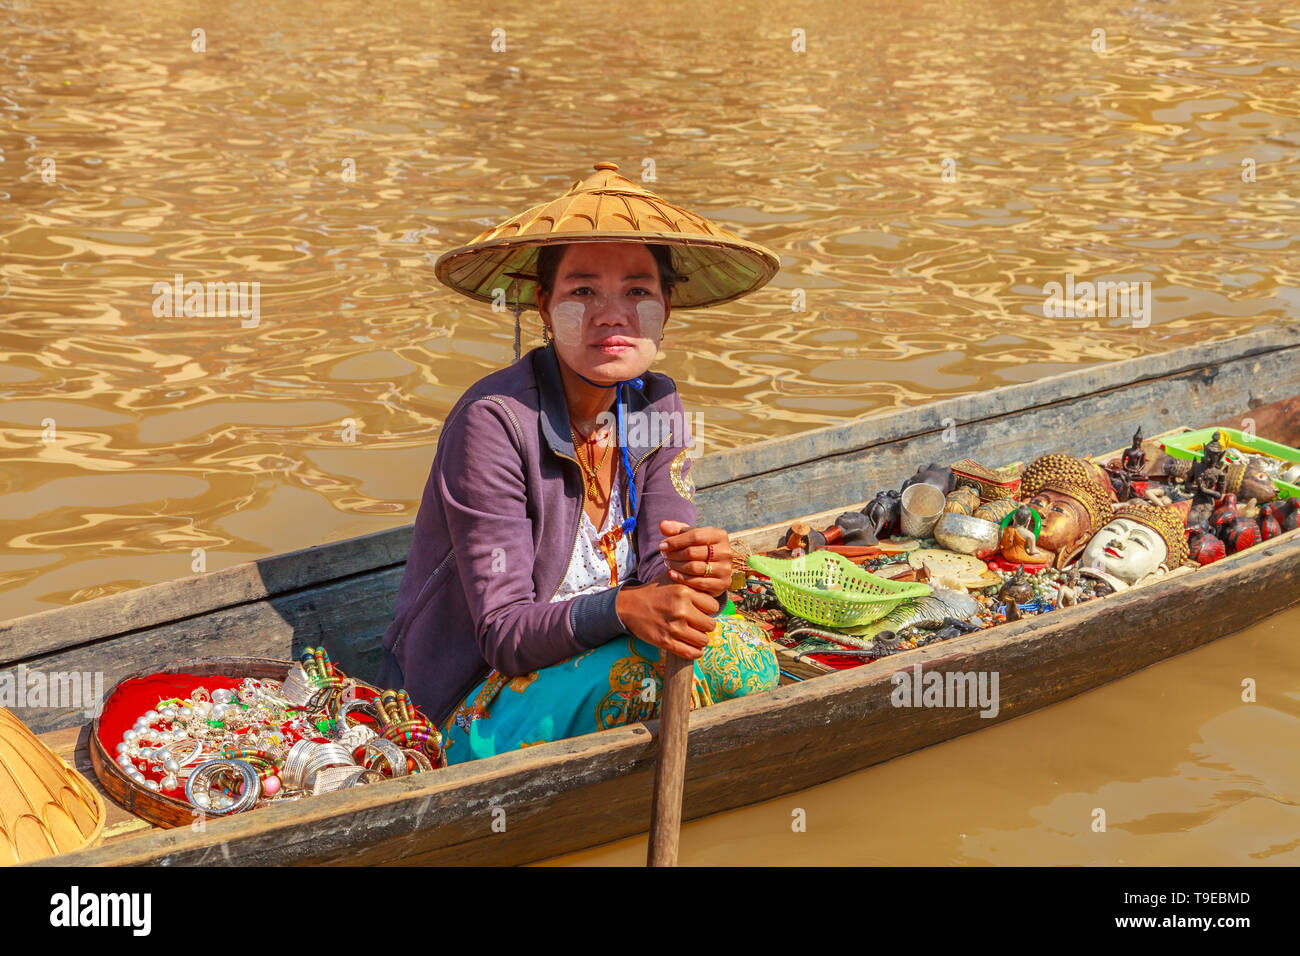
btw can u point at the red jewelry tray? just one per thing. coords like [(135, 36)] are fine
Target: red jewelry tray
[(138, 693)]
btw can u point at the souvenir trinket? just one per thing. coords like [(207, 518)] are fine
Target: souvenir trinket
[(1140, 540), (1204, 546), (800, 538), (1067, 594), (962, 501), (991, 484), (235, 748), (966, 534), (1073, 500), (402, 724), (1018, 590), (1018, 543), (969, 570), (935, 474), (1269, 527), (996, 510), (1247, 479), (1134, 458), (856, 529), (885, 512), (922, 504), (1237, 532)]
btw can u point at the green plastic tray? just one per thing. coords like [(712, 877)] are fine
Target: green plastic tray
[(1190, 445), (800, 586)]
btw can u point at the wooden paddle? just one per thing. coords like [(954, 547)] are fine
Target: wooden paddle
[(670, 764)]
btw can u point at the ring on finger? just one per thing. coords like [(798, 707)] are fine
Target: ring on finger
[(708, 569), (710, 555)]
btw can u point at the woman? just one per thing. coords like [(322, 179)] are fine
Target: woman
[(554, 559)]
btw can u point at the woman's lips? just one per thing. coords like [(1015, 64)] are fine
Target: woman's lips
[(614, 345)]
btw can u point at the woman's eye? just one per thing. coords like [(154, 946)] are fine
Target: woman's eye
[(639, 289)]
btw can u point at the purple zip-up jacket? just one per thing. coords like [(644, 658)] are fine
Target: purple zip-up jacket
[(497, 526)]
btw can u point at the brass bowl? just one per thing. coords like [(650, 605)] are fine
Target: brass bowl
[(966, 534)]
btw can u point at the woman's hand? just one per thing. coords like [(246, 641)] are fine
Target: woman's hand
[(699, 558), (671, 616)]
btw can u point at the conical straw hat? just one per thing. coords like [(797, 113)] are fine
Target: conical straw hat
[(46, 807), (716, 265)]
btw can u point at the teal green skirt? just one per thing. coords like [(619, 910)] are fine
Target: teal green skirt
[(617, 683)]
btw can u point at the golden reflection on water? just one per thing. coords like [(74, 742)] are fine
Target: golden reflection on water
[(1186, 772), (128, 439)]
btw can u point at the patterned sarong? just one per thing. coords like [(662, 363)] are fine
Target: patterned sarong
[(617, 683)]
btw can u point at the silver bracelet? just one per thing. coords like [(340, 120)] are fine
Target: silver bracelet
[(198, 788), (378, 747)]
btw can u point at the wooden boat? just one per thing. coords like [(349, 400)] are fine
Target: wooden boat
[(577, 793)]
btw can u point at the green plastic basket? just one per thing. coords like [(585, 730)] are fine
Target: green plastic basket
[(801, 587), (1192, 444)]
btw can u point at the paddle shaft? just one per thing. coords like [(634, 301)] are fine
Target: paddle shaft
[(670, 765)]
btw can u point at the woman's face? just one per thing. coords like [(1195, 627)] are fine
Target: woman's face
[(606, 310)]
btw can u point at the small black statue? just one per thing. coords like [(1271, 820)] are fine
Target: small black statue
[(935, 474), (1134, 458), (886, 514)]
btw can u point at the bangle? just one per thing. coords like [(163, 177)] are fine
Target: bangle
[(389, 752), (198, 788), (335, 778), (296, 762), (422, 763)]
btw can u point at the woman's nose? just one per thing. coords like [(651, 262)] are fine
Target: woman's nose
[(610, 310)]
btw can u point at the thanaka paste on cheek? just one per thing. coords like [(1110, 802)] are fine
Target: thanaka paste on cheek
[(566, 324), (651, 317)]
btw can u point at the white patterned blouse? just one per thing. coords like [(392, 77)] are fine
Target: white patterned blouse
[(588, 570)]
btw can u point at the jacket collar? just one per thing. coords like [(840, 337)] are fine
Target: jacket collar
[(555, 408)]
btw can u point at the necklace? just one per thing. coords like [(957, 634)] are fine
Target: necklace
[(590, 470), (609, 547)]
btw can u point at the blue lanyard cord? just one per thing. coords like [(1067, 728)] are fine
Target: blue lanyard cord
[(629, 523)]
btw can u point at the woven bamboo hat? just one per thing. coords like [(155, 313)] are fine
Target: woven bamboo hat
[(46, 807), (713, 265)]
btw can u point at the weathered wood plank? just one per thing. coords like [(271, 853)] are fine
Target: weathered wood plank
[(571, 794), (349, 616), (173, 602)]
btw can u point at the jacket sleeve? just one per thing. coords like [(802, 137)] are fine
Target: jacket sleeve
[(481, 481), (666, 492)]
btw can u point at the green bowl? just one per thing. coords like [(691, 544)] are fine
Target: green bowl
[(860, 598)]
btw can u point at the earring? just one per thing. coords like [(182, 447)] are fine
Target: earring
[(546, 335)]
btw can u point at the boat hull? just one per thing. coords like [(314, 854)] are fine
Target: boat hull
[(569, 795)]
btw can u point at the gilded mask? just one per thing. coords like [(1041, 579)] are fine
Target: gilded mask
[(1066, 522), (1073, 499)]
